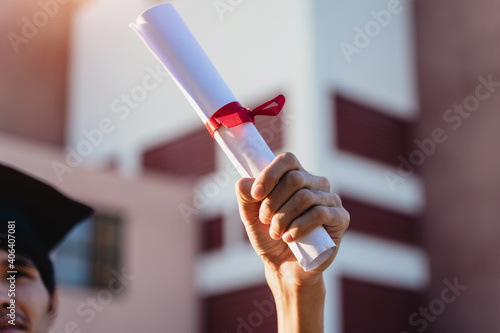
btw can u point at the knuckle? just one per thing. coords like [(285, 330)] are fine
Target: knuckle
[(347, 217), (265, 212), (289, 158), (325, 183), (264, 218), (265, 207), (305, 197), (294, 179), (336, 199), (320, 213), (278, 224)]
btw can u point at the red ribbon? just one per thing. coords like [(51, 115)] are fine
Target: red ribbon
[(233, 114)]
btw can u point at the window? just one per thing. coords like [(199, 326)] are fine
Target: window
[(90, 253), (211, 234)]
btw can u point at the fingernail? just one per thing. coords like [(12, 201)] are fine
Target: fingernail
[(257, 192), (287, 238)]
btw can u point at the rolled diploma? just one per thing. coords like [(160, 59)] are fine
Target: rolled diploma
[(168, 37)]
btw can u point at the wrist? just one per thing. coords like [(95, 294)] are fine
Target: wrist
[(299, 300), (291, 279)]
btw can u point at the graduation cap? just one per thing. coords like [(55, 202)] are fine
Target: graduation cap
[(42, 215)]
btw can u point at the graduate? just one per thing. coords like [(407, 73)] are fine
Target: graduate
[(34, 218)]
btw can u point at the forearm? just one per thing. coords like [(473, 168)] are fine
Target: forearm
[(299, 305)]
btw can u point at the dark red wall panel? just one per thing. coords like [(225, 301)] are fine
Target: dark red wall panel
[(247, 310), (373, 308), (370, 133), (382, 222), (192, 154), (272, 130)]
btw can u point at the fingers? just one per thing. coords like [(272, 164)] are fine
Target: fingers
[(289, 184), (298, 204), (292, 201), (335, 220), (268, 178), (248, 206), (243, 190)]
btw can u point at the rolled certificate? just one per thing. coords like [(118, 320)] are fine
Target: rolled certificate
[(168, 37)]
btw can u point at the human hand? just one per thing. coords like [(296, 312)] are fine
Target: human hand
[(281, 205)]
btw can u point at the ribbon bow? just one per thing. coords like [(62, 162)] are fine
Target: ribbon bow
[(233, 114)]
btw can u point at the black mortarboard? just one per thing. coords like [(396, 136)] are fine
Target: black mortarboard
[(42, 215)]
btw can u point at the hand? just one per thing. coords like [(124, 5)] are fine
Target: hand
[(281, 205)]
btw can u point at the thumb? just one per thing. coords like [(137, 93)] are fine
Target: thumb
[(244, 190)]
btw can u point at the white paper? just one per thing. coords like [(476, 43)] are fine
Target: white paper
[(168, 37)]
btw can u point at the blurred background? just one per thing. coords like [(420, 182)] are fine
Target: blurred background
[(394, 101)]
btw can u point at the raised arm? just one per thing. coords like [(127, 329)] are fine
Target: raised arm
[(281, 205)]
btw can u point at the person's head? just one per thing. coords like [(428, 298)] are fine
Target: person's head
[(34, 218), (34, 307)]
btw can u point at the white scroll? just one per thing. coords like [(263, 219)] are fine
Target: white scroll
[(168, 37)]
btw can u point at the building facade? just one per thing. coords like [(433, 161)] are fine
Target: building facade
[(348, 71)]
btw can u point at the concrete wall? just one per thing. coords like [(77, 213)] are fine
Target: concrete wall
[(33, 67)]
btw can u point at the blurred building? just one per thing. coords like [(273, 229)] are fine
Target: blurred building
[(165, 192), (120, 272), (351, 107), (459, 76)]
